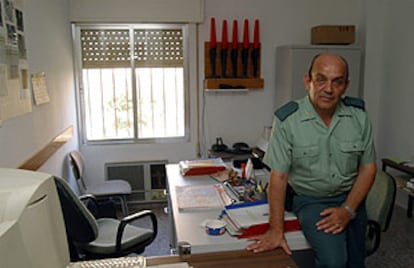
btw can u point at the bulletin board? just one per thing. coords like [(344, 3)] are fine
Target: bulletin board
[(15, 96)]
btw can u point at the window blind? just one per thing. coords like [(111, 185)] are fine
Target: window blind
[(112, 48)]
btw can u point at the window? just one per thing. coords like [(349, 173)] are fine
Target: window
[(132, 82)]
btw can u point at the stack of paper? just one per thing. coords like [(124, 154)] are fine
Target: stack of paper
[(195, 197), (201, 166), (251, 218)]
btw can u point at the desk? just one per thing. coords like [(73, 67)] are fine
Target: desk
[(187, 226), (386, 162), (240, 259)]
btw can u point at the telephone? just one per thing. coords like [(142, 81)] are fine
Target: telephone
[(241, 148), (219, 146)]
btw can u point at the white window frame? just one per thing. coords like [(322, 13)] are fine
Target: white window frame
[(76, 28)]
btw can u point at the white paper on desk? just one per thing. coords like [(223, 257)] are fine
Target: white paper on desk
[(249, 215), (245, 216), (194, 197)]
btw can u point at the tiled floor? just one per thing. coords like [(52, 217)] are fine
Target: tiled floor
[(397, 243), (161, 244)]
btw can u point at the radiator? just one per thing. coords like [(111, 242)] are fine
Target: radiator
[(147, 179)]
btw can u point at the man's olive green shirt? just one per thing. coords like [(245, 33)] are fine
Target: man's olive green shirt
[(320, 161)]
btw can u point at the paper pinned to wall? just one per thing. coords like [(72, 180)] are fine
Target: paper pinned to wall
[(40, 92), (3, 80), (15, 97)]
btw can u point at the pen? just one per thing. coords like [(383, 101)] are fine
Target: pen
[(259, 187), (222, 214), (234, 192)]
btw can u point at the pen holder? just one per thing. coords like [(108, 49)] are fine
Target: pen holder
[(260, 195)]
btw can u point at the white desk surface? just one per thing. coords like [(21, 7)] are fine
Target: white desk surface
[(188, 224)]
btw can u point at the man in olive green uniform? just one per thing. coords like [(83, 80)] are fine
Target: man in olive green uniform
[(322, 146)]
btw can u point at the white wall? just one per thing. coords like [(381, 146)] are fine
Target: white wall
[(397, 110), (242, 116), (142, 10), (232, 116), (48, 42), (389, 76), (382, 31)]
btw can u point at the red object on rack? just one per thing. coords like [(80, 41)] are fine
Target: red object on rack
[(213, 41), (235, 41), (243, 166), (246, 34), (256, 43), (224, 35)]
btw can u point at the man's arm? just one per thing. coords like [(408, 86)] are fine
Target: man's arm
[(336, 219), (274, 237), (363, 183)]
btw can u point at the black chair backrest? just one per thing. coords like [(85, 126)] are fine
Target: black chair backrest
[(81, 226)]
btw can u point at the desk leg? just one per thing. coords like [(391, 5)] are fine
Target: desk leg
[(410, 206)]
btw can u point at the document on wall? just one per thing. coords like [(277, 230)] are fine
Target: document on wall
[(40, 92)]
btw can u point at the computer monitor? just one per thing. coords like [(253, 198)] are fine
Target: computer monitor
[(32, 230)]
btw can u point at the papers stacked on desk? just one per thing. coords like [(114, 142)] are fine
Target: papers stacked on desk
[(195, 197), (201, 166), (252, 218)]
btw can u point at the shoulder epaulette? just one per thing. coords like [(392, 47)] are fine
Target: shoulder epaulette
[(289, 108), (355, 102)]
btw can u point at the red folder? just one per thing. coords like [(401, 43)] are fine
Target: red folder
[(203, 170), (201, 166), (258, 229)]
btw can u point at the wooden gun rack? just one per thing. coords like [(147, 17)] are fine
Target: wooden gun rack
[(217, 81)]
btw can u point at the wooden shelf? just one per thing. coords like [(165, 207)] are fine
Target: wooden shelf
[(233, 83), (230, 81), (38, 159)]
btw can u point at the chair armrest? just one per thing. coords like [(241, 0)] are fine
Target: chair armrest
[(91, 203), (126, 220), (373, 236), (88, 197)]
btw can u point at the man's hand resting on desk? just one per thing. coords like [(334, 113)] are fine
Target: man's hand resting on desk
[(268, 241)]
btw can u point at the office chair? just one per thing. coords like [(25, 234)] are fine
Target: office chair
[(91, 238), (118, 189), (379, 204)]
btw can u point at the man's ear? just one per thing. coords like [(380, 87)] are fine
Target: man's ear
[(307, 80)]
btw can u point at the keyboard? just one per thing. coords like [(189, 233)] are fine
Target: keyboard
[(123, 262)]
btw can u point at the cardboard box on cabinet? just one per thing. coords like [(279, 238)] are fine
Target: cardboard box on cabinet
[(333, 34)]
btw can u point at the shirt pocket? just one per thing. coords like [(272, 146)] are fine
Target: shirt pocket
[(349, 157), (305, 159)]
